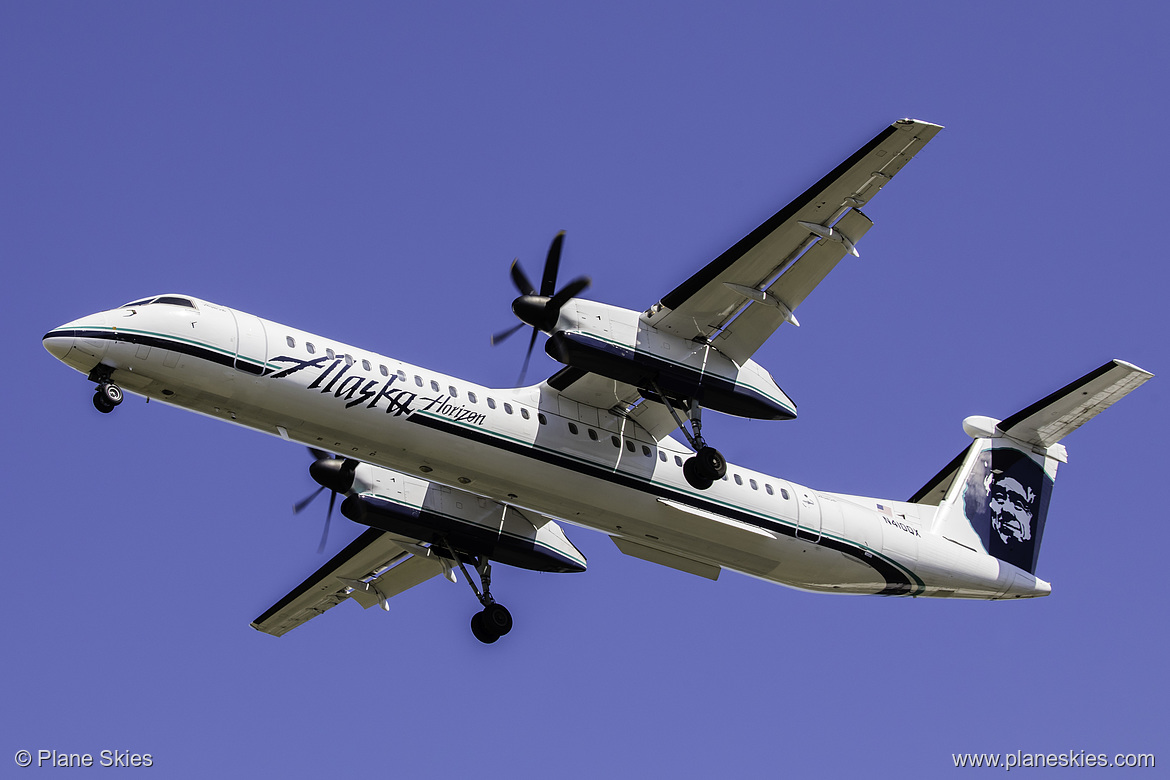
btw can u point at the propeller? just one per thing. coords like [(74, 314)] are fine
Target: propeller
[(333, 474), (540, 309)]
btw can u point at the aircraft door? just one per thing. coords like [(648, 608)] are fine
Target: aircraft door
[(808, 515), (251, 343)]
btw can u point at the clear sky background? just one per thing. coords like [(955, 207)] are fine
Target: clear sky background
[(368, 171)]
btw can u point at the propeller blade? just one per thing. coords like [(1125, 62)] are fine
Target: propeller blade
[(570, 290), (299, 506), (520, 280), (527, 357), (503, 334), (328, 517), (552, 263)]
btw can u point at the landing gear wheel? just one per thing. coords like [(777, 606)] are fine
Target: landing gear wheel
[(497, 618), (694, 478), (481, 631), (711, 463), (102, 404), (113, 393)]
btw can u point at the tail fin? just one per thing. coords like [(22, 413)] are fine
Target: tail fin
[(994, 496)]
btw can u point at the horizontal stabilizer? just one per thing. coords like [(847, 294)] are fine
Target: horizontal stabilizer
[(1047, 421)]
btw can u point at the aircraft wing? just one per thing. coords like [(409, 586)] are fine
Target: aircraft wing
[(739, 299), (376, 566), (595, 390)]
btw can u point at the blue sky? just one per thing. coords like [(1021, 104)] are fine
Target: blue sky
[(368, 171)]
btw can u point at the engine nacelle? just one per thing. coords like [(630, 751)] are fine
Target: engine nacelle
[(614, 343), (470, 525)]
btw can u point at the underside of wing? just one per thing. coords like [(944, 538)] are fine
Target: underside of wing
[(586, 387), (739, 299), (373, 568)]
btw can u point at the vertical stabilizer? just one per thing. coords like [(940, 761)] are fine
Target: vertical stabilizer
[(994, 496)]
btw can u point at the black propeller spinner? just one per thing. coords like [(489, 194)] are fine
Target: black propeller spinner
[(333, 474), (540, 309)]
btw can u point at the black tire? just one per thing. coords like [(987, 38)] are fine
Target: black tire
[(711, 463), (480, 629), (102, 404), (497, 618), (113, 394), (693, 477)]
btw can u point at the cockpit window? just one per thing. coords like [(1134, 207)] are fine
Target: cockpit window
[(173, 300)]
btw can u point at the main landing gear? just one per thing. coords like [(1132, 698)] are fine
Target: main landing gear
[(108, 396), (494, 620), (707, 464)]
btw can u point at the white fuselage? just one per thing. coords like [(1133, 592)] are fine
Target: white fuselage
[(527, 447)]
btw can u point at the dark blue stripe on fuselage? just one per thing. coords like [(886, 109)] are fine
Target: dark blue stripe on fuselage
[(194, 350), (896, 581)]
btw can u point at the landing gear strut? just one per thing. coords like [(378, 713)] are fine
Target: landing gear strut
[(108, 396), (494, 620), (707, 464)]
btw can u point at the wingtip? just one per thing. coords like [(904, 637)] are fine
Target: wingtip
[(919, 122)]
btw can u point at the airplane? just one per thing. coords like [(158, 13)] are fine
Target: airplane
[(446, 474)]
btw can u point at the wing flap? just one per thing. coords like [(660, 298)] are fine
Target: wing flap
[(756, 324), (367, 556), (705, 302)]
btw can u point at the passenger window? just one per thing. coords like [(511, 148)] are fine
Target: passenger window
[(418, 380), (541, 418), (752, 482), (309, 346), (630, 446), (646, 451), (292, 343), (471, 396), (784, 493), (491, 402), (524, 412), (738, 479), (329, 353), (662, 456), (768, 489), (593, 434), (677, 461), (385, 371), (366, 365), (572, 429), (507, 408), (451, 391), (434, 385), (349, 360), (616, 441)]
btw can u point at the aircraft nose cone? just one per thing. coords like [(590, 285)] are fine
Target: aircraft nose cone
[(58, 344)]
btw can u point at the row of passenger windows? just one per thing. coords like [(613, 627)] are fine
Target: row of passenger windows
[(678, 461), (491, 403), (418, 380)]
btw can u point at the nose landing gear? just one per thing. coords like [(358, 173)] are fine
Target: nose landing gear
[(108, 396)]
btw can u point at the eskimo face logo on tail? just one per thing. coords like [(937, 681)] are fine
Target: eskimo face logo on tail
[(332, 376), (1006, 498)]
